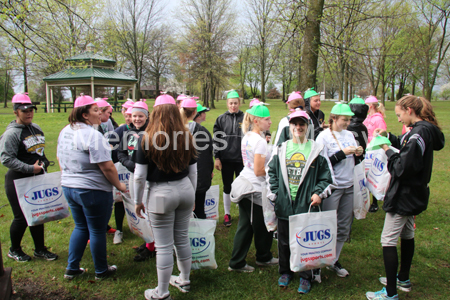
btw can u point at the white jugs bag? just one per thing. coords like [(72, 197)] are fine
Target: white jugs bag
[(312, 240), (201, 236), (124, 177), (41, 198), (212, 203), (361, 197), (270, 218), (378, 176), (138, 226)]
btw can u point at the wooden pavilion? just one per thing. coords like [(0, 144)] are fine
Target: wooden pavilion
[(88, 69)]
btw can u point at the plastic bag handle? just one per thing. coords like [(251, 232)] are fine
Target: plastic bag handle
[(309, 210)]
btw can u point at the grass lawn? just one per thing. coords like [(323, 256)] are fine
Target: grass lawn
[(430, 273)]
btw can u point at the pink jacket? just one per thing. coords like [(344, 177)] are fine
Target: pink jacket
[(373, 122)]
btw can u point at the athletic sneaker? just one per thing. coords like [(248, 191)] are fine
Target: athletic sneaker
[(227, 220), (284, 280), (45, 254), (373, 207), (141, 248), (71, 274), (18, 255), (272, 262), (304, 287), (340, 271), (183, 286), (401, 285), (111, 271), (151, 294), (111, 231), (316, 275), (118, 237), (244, 269), (144, 255), (380, 295)]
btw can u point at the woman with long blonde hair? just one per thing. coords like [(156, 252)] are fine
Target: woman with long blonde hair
[(167, 160)]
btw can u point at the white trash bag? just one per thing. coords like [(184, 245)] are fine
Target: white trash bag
[(212, 203), (378, 177), (201, 237), (312, 240), (268, 207), (361, 197), (41, 198), (124, 177)]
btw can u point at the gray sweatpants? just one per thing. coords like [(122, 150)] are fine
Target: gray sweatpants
[(341, 200), (169, 208)]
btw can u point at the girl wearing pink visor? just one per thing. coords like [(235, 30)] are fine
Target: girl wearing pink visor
[(22, 152), (166, 160)]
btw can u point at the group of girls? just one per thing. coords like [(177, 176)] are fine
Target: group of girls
[(300, 172)]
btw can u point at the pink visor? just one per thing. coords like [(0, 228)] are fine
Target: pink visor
[(371, 99), (299, 114), (253, 102), (164, 99), (128, 104), (21, 98), (129, 110), (181, 97), (293, 96), (140, 104), (84, 100), (189, 103)]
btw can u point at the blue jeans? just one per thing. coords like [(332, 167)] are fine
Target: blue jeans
[(91, 210)]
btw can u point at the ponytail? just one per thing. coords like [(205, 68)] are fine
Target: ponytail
[(247, 123), (186, 113), (421, 107), (379, 108)]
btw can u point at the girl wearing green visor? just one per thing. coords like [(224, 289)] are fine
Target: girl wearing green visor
[(340, 148), (247, 190)]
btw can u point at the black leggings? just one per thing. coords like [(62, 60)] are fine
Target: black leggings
[(229, 170), (119, 214), (200, 205), (19, 224)]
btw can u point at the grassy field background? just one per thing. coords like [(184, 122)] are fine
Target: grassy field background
[(430, 273)]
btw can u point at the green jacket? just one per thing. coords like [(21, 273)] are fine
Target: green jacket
[(317, 178)]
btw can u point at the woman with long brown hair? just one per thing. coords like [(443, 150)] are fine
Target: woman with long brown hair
[(166, 159)]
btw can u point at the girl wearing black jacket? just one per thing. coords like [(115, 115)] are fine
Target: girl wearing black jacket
[(22, 152), (204, 145), (227, 150), (408, 190)]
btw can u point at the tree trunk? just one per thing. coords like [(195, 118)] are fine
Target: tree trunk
[(392, 90), (413, 87), (311, 44), (351, 84), (263, 74), (5, 93), (157, 77), (346, 83)]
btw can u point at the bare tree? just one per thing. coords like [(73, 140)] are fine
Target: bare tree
[(134, 22)]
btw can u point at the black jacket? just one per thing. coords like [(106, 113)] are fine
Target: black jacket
[(411, 168), (317, 118), (228, 132), (357, 127), (119, 132), (128, 145), (205, 162)]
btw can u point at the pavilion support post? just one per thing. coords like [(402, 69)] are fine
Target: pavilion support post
[(134, 92), (47, 97), (51, 97), (92, 87)]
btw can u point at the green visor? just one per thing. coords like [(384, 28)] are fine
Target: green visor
[(377, 142), (232, 95), (310, 93), (259, 110), (341, 109)]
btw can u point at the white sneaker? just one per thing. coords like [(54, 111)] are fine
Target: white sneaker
[(340, 271), (316, 275), (118, 237), (152, 294), (183, 286), (245, 269), (272, 262)]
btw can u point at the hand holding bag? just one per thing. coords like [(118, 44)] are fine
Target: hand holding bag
[(41, 198), (124, 176), (312, 240)]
